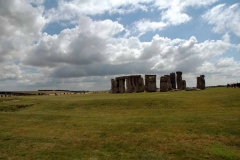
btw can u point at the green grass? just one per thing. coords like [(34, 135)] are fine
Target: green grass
[(172, 125)]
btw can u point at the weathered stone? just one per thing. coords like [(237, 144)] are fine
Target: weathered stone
[(163, 84), (179, 79), (168, 82), (183, 84), (126, 77), (201, 82), (150, 83), (173, 80), (114, 86), (135, 84), (121, 85), (130, 87), (140, 85)]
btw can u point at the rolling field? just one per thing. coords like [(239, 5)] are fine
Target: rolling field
[(171, 125)]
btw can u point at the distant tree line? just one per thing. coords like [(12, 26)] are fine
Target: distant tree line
[(49, 90), (44, 90)]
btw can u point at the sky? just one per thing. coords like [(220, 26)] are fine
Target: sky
[(83, 44)]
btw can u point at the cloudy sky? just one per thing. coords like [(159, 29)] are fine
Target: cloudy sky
[(82, 44)]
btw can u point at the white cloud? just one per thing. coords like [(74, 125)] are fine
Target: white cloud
[(224, 18), (210, 49), (9, 71), (36, 2), (227, 62), (164, 4), (173, 11), (124, 49), (226, 37), (20, 25), (222, 72), (174, 16), (146, 25), (129, 9), (182, 49), (68, 10), (84, 44), (122, 55)]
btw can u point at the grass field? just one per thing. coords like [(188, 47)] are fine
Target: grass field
[(171, 125)]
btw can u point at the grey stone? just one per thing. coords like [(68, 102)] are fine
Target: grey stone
[(183, 84), (114, 86), (150, 83), (121, 85), (169, 85), (140, 85), (201, 82), (134, 83), (179, 79), (163, 84), (173, 80)]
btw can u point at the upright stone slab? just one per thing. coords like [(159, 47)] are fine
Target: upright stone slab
[(163, 84), (122, 85), (203, 81), (114, 86), (199, 82), (173, 80), (130, 87), (179, 79), (140, 85), (169, 85), (150, 83), (183, 85), (134, 83)]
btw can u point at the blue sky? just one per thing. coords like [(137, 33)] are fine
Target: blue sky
[(81, 45)]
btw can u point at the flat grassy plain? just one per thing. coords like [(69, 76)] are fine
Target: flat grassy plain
[(171, 125)]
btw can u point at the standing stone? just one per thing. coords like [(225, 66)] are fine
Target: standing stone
[(140, 85), (114, 86), (130, 88), (169, 82), (173, 80), (179, 79), (183, 84), (150, 83), (199, 82), (134, 83), (121, 85), (163, 84), (203, 81)]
